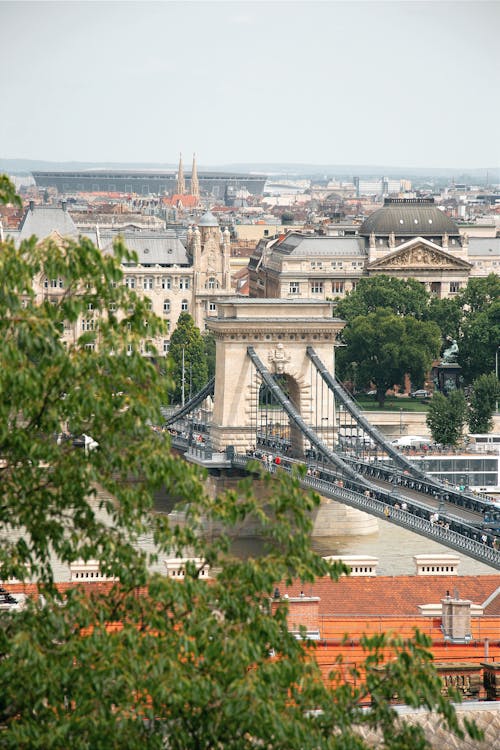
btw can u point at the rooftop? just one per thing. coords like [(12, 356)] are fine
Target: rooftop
[(409, 216)]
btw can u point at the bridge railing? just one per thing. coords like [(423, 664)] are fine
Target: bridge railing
[(419, 524)]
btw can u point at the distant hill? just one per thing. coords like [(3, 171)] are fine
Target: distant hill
[(341, 171)]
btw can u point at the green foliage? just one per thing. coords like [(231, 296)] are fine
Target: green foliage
[(8, 192), (480, 330), (209, 343), (400, 296), (287, 218), (178, 665), (187, 358), (447, 313), (385, 346), (46, 385), (479, 294), (446, 417), (485, 395)]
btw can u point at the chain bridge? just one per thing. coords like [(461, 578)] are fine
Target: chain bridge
[(275, 398)]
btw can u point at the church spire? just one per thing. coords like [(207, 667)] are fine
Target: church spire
[(195, 187), (181, 185)]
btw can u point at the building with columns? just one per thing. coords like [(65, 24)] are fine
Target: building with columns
[(406, 238)]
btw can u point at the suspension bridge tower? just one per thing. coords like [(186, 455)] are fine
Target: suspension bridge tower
[(279, 332)]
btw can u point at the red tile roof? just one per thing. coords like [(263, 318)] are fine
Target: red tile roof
[(399, 595), (187, 201)]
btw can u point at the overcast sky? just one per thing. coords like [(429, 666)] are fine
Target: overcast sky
[(395, 83)]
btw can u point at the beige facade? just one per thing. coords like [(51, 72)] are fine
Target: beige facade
[(279, 331), (172, 277), (256, 232), (407, 238)]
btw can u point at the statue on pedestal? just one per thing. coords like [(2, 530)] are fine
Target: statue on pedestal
[(450, 355)]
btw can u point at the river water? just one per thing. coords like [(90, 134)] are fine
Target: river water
[(394, 548)]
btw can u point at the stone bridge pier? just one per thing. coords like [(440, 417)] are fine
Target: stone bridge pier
[(279, 330)]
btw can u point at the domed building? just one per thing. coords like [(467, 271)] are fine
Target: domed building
[(405, 238), (412, 238)]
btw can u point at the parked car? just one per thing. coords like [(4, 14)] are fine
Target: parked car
[(420, 393)]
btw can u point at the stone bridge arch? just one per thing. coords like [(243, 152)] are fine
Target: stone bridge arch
[(279, 331)]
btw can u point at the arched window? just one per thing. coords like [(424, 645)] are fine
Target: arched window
[(212, 283), (184, 305), (166, 306)]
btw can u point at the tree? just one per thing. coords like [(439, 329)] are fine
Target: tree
[(287, 218), (176, 665), (448, 314), (401, 296), (446, 417), (385, 347), (473, 319), (209, 343), (8, 192), (187, 357), (485, 394), (479, 341)]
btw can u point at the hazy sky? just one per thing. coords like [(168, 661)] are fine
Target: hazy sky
[(396, 83)]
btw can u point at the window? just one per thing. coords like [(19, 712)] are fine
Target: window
[(317, 287), (46, 283), (337, 264), (454, 287), (338, 287), (166, 282), (90, 306), (149, 303), (184, 282), (211, 307), (112, 307), (212, 283), (147, 282), (184, 305), (88, 324), (130, 282), (294, 287), (166, 306), (316, 264), (166, 346)]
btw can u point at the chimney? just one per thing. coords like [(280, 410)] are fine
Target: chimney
[(456, 619), (436, 565), (303, 612)]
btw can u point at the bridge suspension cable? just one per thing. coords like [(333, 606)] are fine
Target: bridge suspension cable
[(294, 415), (353, 410), (198, 398)]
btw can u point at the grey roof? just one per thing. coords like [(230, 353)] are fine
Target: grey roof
[(486, 246), (152, 248), (208, 220), (314, 246), (41, 221), (412, 217)]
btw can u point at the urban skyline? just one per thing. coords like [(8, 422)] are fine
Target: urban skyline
[(407, 84)]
